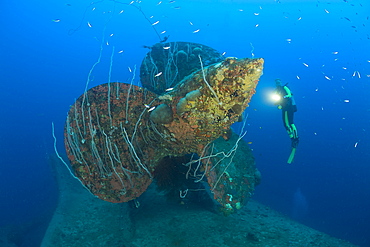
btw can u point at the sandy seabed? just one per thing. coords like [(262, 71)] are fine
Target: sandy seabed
[(83, 220)]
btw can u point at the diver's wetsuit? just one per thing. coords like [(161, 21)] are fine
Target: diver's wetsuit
[(288, 107)]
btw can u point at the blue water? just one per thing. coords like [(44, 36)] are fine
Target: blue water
[(322, 48)]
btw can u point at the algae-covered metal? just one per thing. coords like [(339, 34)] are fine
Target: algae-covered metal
[(116, 133)]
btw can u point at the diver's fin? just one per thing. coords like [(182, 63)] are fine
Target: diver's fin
[(291, 156)]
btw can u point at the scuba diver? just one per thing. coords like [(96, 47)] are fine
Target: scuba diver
[(286, 103)]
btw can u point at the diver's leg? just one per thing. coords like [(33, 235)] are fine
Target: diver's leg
[(293, 128), (287, 123)]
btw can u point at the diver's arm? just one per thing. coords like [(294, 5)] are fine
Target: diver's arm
[(288, 92)]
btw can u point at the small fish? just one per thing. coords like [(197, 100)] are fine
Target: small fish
[(335, 52), (166, 47), (196, 31), (327, 77), (344, 68), (305, 64), (326, 11), (191, 23), (56, 20), (256, 25), (165, 39), (159, 2), (298, 78), (163, 32), (151, 109), (177, 7), (169, 89), (347, 18), (155, 23), (121, 12), (88, 23), (111, 34), (356, 144), (160, 73), (121, 51), (223, 54), (172, 1), (129, 69), (256, 13), (353, 26), (300, 18), (249, 143), (147, 106), (346, 101)]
